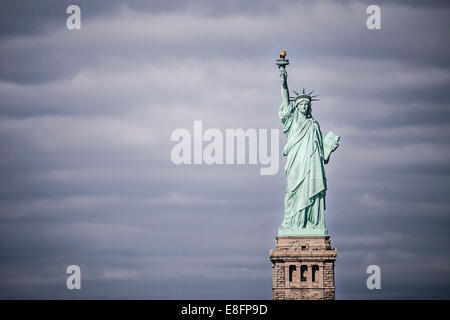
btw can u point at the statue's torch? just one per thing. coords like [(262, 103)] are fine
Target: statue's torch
[(282, 62)]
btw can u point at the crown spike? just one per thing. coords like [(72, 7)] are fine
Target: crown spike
[(304, 95)]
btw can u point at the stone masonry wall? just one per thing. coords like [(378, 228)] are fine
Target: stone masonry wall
[(315, 255)]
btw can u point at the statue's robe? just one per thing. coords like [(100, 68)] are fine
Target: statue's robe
[(306, 181)]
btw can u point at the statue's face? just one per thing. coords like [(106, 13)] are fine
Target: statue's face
[(303, 105)]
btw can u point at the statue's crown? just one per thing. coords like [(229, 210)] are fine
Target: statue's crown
[(304, 95)]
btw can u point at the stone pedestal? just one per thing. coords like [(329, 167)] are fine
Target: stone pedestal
[(303, 268)]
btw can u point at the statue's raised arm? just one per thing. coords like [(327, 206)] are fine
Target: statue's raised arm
[(282, 63)]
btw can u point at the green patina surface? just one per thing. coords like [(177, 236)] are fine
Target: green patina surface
[(307, 152)]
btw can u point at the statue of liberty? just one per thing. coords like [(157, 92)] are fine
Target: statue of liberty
[(307, 152)]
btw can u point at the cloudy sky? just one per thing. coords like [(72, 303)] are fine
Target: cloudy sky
[(86, 118)]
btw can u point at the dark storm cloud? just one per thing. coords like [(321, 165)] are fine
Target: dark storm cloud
[(21, 17), (333, 29), (85, 125)]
